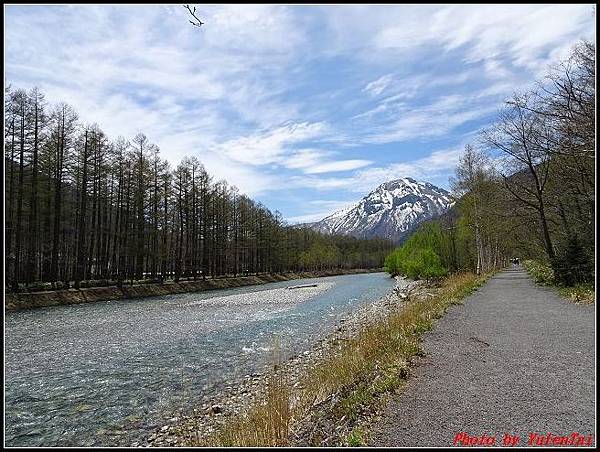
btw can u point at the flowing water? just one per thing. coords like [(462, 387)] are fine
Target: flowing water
[(107, 373)]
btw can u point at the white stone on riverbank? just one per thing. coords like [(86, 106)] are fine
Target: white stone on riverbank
[(272, 296)]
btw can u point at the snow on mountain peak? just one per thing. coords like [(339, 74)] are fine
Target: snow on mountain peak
[(393, 210)]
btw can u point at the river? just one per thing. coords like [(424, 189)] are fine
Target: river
[(107, 373)]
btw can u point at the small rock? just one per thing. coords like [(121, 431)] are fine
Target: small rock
[(216, 409)]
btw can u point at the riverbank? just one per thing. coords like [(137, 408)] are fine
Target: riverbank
[(31, 300), (327, 395)]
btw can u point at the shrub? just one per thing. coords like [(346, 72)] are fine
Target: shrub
[(419, 257), (573, 265), (579, 294), (39, 286), (541, 273)]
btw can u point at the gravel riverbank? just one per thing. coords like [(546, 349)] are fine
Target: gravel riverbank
[(31, 300), (236, 399)]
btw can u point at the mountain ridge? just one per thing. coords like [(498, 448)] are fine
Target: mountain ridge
[(393, 210)]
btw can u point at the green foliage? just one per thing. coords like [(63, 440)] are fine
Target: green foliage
[(39, 286), (580, 293), (355, 438), (543, 274), (319, 256), (573, 265), (327, 252), (571, 268), (540, 272), (420, 256)]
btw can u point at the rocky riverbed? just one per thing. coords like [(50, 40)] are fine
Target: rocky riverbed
[(30, 300), (238, 397)]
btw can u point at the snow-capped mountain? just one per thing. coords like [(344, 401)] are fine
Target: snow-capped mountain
[(393, 210)]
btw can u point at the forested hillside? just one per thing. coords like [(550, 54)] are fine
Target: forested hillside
[(82, 209), (526, 186)]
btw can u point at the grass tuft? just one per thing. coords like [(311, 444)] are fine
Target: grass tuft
[(355, 438)]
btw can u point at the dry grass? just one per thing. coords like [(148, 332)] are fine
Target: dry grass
[(583, 293), (267, 424), (361, 369)]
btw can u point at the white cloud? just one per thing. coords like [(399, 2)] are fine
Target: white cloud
[(316, 161), (376, 87), (519, 34), (255, 95), (142, 68), (435, 168), (326, 208), (340, 165), (304, 158), (248, 179), (308, 218), (432, 120), (271, 146)]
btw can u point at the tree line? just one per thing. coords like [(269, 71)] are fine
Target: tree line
[(82, 209), (525, 188)]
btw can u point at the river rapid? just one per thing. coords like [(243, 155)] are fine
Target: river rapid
[(107, 373)]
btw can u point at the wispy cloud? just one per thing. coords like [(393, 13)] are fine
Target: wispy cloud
[(263, 103), (325, 208), (340, 165), (401, 122), (519, 34), (376, 87), (434, 167), (271, 146)]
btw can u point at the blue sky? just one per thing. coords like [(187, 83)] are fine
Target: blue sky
[(304, 108)]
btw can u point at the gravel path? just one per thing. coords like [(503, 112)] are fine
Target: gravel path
[(515, 358)]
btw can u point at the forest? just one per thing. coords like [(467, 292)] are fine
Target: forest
[(525, 188), (84, 210)]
